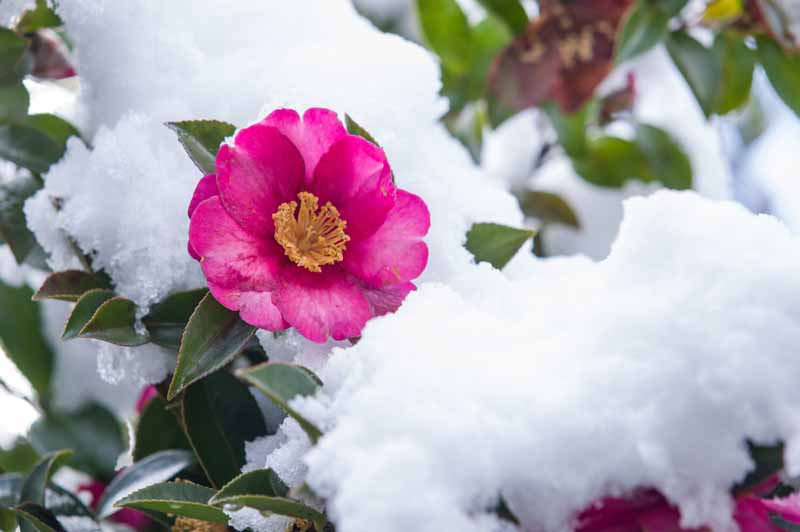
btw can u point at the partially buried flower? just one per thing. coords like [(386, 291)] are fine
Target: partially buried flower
[(302, 226)]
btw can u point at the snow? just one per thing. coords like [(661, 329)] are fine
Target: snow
[(561, 388)]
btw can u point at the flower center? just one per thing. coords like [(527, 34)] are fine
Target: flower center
[(312, 239)]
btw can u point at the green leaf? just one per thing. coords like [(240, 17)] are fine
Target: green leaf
[(201, 140), (69, 285), (495, 243), (277, 506), (167, 320), (548, 207), (157, 467), (34, 517), (354, 128), (42, 16), (34, 486), (611, 161), (178, 498), (571, 128), (698, 65), (63, 503), (213, 337), (92, 432), (446, 31), (737, 62), (645, 26), (220, 415), (783, 70), (13, 225), (114, 322), (19, 457), (158, 429), (56, 128), (767, 461), (14, 102), (283, 382), (13, 65), (29, 147), (22, 339), (83, 311), (510, 12), (665, 158), (258, 482)]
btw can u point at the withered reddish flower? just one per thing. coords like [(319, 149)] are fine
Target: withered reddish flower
[(302, 226)]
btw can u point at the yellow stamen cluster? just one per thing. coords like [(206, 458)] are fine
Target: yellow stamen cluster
[(315, 237), (300, 525), (186, 524)]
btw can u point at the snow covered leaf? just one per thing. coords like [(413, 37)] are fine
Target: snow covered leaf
[(276, 506), (201, 140), (92, 432), (70, 285), (13, 226), (213, 336), (259, 482), (114, 322), (283, 382), (549, 208), (22, 337), (446, 30), (157, 467), (42, 16), (562, 56), (167, 320), (220, 415), (14, 102), (666, 161), (737, 62), (783, 70), (83, 311), (698, 65), (179, 498), (645, 26), (495, 243), (157, 430), (510, 12), (34, 517)]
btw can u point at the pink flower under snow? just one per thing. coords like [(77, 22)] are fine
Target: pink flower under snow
[(302, 226)]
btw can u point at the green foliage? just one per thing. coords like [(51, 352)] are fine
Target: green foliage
[(201, 140), (14, 102), (157, 467), (14, 63), (549, 208), (70, 285), (572, 128), (34, 517), (768, 460), (92, 432), (33, 491), (214, 335), (646, 26), (258, 482), (446, 31), (42, 16), (665, 160), (783, 70), (699, 67), (178, 498), (13, 225), (277, 505), (114, 321), (167, 320), (510, 12), (158, 430), (19, 457), (737, 62), (354, 128), (83, 311), (281, 383), (220, 415), (495, 243), (22, 338)]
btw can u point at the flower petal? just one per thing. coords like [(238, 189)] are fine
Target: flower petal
[(355, 177), (322, 304), (206, 188), (313, 135), (262, 170), (255, 307), (387, 299), (395, 252), (231, 257)]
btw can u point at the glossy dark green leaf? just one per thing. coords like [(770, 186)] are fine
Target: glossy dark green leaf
[(22, 339), (283, 382), (158, 429), (783, 70), (14, 102), (666, 160), (495, 243), (27, 146), (201, 140), (83, 311), (65, 504), (157, 467), (277, 506), (698, 65), (18, 457), (510, 12), (13, 225), (548, 207), (446, 30), (213, 336), (70, 285), (36, 518), (645, 26), (42, 16), (92, 432), (737, 62), (177, 498), (167, 320), (259, 482), (35, 484), (611, 161), (114, 322), (220, 415), (12, 56)]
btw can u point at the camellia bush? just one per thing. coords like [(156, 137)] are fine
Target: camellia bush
[(401, 265)]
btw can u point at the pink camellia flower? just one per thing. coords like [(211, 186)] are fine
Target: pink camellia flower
[(647, 510), (146, 395), (302, 226)]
